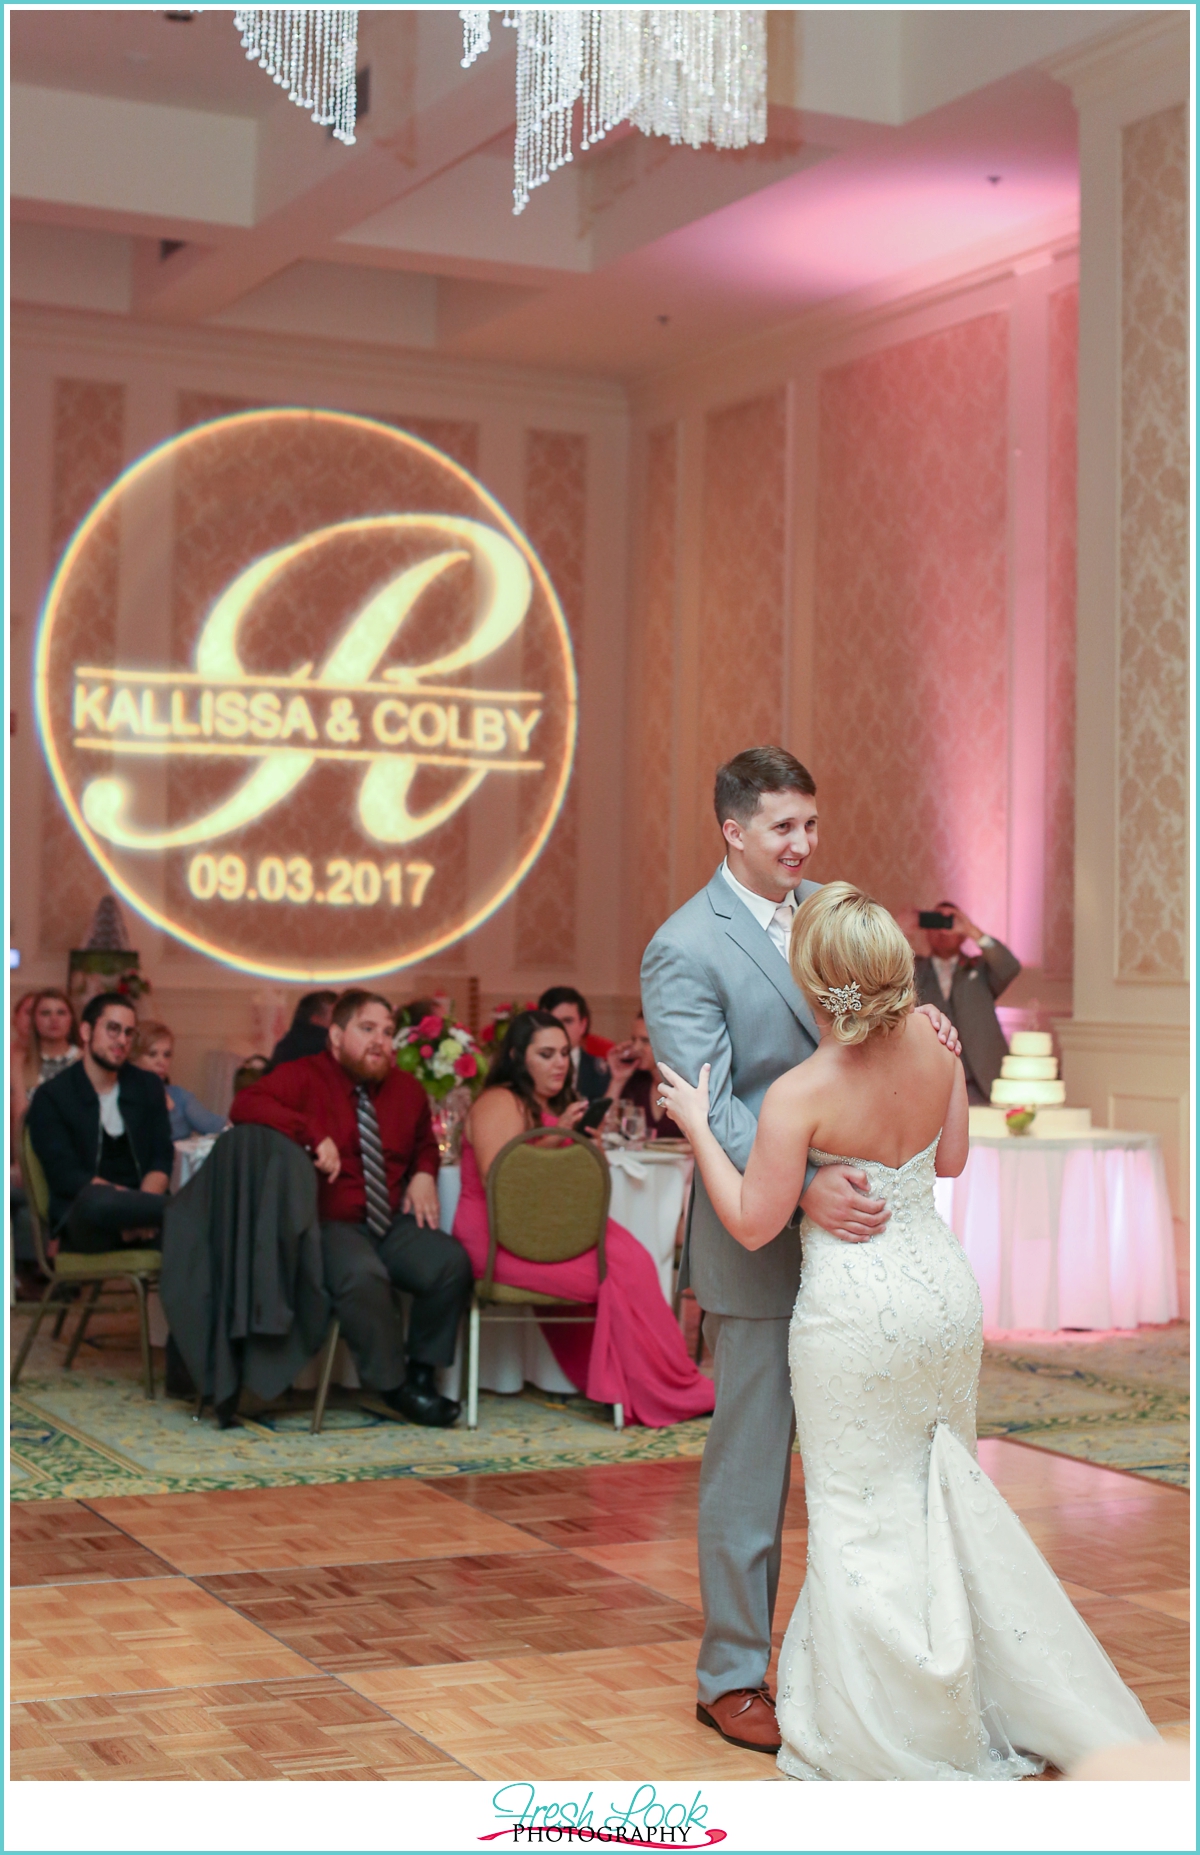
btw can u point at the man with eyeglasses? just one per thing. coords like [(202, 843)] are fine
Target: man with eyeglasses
[(102, 1132)]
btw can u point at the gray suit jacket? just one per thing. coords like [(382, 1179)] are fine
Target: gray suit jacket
[(977, 985), (715, 989)]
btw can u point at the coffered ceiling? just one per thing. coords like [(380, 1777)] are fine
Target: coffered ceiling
[(156, 173)]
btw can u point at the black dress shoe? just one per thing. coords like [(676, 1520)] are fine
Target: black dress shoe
[(425, 1407), (418, 1400)]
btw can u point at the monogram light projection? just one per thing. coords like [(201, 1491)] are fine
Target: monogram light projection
[(307, 694)]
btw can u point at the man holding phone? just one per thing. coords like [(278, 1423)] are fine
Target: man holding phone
[(966, 988)]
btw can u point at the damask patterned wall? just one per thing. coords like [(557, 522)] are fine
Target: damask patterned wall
[(555, 522), (458, 438), (741, 654), (1152, 925), (909, 660), (1061, 523), (654, 611), (88, 455)]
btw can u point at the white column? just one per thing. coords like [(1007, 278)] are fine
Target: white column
[(1126, 1050)]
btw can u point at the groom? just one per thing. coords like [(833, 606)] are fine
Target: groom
[(717, 988)]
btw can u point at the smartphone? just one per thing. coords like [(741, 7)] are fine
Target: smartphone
[(587, 1123), (930, 918)]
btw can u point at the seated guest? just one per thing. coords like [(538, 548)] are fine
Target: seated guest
[(103, 1134), (589, 1073), (634, 1353), (153, 1048), (309, 1031), (635, 1078), (53, 1042), (367, 1126), (966, 990)]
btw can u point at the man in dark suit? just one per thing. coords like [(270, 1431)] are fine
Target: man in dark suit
[(966, 989), (103, 1134), (571, 1009)]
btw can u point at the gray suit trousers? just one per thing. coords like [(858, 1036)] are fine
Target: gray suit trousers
[(744, 1482), (360, 1273)]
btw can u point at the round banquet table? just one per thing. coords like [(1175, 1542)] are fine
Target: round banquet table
[(1066, 1233)]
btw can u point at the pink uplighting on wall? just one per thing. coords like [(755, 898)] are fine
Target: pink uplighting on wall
[(910, 653)]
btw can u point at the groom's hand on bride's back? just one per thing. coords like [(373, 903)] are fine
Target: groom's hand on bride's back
[(837, 1200)]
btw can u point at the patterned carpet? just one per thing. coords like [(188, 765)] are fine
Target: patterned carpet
[(1118, 1400), (1121, 1400)]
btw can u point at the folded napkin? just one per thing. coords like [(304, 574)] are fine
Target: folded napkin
[(631, 1164)]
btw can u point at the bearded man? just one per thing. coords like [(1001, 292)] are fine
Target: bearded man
[(366, 1125)]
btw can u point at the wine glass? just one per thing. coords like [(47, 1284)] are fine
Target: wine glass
[(632, 1122)]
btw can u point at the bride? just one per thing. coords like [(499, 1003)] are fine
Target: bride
[(931, 1639)]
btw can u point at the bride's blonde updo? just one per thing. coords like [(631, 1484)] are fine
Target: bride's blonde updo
[(851, 961)]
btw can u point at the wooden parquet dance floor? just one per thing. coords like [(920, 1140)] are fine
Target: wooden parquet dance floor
[(494, 1626)]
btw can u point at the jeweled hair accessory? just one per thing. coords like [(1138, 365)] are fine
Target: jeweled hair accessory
[(843, 1000)]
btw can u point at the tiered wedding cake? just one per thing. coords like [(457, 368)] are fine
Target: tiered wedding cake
[(1029, 1079), (1029, 1074)]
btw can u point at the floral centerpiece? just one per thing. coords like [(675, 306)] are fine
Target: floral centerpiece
[(440, 1054), (494, 1030), (1020, 1120)]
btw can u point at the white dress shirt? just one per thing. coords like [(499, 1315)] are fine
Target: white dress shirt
[(774, 919), (945, 970)]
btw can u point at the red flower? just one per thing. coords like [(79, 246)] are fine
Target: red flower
[(465, 1065), (488, 1033), (426, 1049), (429, 1027)]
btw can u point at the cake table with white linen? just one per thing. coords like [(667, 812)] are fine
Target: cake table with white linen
[(1066, 1232)]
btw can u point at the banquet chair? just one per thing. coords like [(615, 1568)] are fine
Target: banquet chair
[(68, 1272), (325, 1375), (679, 1292), (545, 1204)]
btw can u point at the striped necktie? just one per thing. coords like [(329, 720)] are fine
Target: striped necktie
[(379, 1208)]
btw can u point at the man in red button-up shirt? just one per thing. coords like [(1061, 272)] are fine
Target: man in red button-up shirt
[(367, 1126)]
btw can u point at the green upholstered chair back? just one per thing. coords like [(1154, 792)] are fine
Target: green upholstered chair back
[(547, 1203), (39, 1198)]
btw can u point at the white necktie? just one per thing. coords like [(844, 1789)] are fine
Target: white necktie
[(779, 927)]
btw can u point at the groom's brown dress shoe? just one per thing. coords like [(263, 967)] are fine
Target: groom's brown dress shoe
[(745, 1717)]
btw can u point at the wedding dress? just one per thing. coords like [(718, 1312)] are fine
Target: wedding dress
[(931, 1639)]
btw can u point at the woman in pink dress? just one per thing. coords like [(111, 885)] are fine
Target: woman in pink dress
[(633, 1354)]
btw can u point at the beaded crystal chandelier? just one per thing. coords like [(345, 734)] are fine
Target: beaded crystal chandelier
[(312, 52), (695, 74)]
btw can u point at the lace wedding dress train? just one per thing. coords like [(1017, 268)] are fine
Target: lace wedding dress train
[(931, 1639)]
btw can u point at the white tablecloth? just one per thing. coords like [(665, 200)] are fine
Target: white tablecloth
[(190, 1155), (1066, 1233), (649, 1191)]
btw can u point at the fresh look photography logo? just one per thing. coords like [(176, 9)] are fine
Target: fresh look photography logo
[(644, 1820), (307, 694)]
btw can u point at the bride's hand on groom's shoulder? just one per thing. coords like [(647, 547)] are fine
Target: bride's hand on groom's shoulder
[(943, 1026), (687, 1106)]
